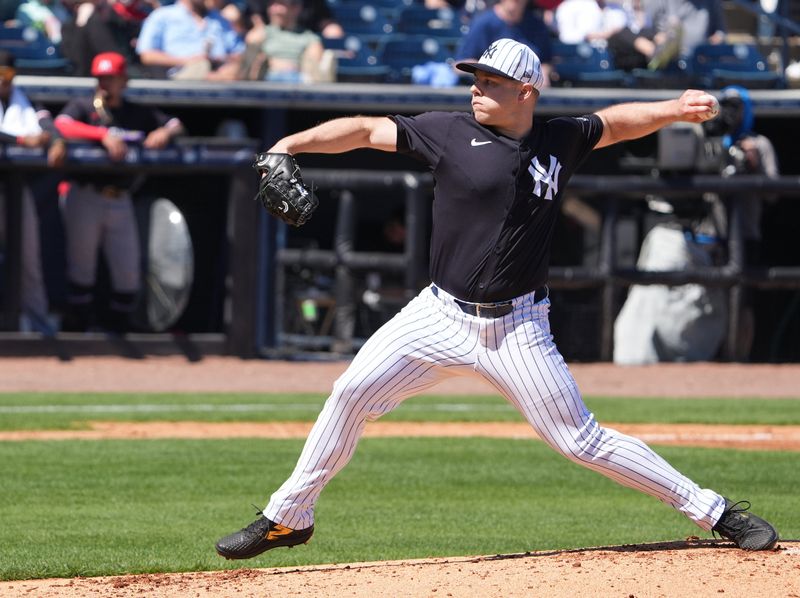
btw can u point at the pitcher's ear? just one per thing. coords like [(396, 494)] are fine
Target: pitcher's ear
[(526, 90)]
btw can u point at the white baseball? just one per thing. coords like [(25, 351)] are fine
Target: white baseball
[(714, 109)]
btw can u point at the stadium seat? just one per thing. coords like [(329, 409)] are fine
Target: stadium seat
[(442, 22), (584, 65), (33, 51), (356, 62), (401, 54), (394, 6), (717, 65), (363, 19), (675, 75)]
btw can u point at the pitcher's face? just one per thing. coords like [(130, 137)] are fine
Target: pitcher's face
[(492, 97)]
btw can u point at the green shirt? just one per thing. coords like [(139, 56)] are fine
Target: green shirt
[(287, 45)]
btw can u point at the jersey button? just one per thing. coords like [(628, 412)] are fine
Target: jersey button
[(481, 285)]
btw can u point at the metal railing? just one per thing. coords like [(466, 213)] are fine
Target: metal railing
[(345, 262)]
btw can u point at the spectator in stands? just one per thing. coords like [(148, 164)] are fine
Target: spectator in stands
[(237, 15), (98, 209), (282, 49), (625, 28), (575, 20), (45, 15), (514, 19), (696, 21), (189, 40), (98, 26), (632, 39), (22, 124)]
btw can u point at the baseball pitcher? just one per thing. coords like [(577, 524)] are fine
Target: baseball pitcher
[(500, 181)]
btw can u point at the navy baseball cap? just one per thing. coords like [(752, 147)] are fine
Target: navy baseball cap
[(510, 59)]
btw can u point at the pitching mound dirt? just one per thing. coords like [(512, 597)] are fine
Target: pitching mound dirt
[(690, 568)]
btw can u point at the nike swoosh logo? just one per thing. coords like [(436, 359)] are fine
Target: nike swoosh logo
[(476, 143), (285, 206)]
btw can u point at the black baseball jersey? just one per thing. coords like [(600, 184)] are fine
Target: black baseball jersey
[(496, 199), (130, 116)]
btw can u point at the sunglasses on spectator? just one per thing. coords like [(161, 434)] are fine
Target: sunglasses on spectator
[(7, 73)]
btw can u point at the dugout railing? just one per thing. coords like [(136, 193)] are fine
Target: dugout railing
[(343, 262), (607, 276), (192, 157)]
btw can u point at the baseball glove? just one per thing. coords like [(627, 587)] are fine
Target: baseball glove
[(281, 189)]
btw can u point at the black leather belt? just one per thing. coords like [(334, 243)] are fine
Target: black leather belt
[(490, 310)]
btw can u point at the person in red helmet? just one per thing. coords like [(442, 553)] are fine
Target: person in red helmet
[(97, 209)]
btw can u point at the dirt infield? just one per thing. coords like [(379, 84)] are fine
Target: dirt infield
[(223, 374), (685, 568), (786, 438)]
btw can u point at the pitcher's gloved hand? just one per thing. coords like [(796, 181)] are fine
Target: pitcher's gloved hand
[(281, 189)]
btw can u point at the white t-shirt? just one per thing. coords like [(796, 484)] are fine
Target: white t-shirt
[(577, 18)]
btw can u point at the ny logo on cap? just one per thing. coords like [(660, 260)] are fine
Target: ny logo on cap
[(489, 52)]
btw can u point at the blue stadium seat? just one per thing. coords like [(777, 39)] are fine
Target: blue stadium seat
[(401, 54), (34, 53), (441, 22), (391, 5), (585, 65), (675, 75), (363, 19), (356, 62), (717, 65)]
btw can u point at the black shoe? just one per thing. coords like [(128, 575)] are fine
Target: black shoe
[(748, 531), (260, 536)]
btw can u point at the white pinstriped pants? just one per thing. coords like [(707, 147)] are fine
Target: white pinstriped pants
[(432, 339)]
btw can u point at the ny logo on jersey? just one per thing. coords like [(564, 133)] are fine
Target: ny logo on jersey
[(547, 176)]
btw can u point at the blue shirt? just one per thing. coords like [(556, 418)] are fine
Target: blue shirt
[(487, 27), (174, 30)]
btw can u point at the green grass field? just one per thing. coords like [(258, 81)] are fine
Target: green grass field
[(39, 411), (120, 506)]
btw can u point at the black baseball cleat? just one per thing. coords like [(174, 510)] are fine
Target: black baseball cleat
[(260, 536), (748, 531)]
